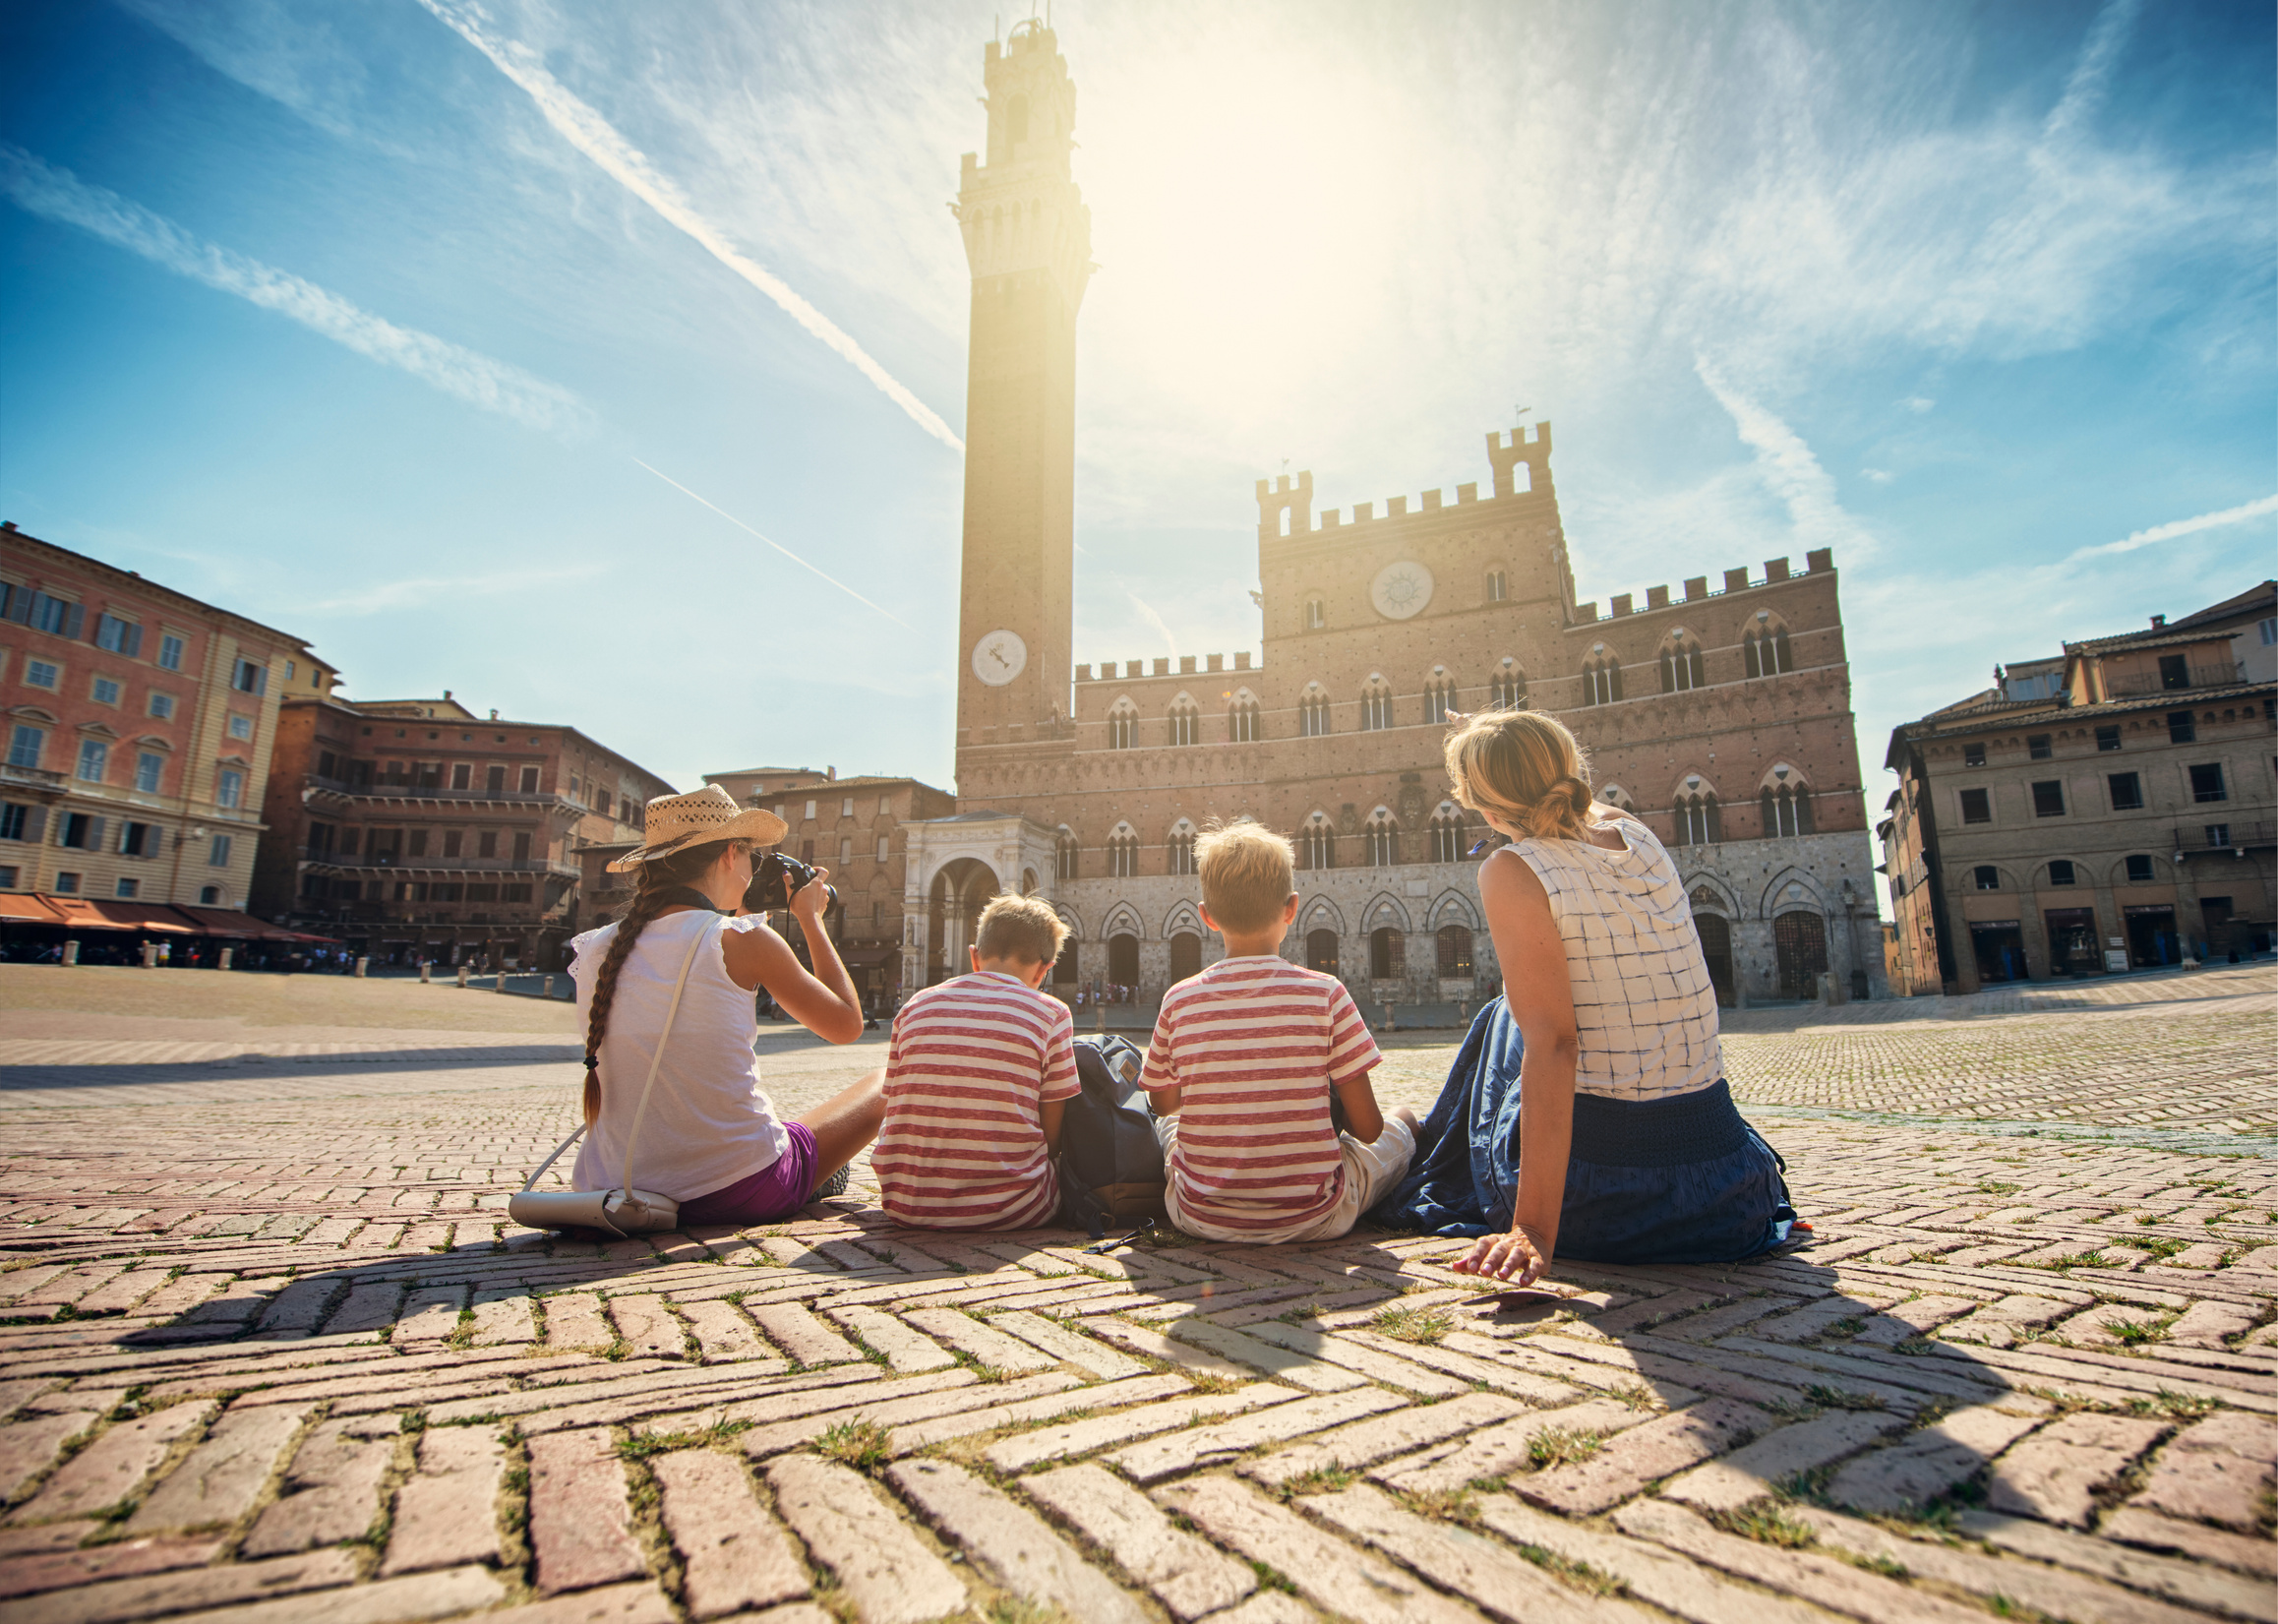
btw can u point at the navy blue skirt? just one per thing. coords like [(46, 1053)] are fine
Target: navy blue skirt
[(1677, 1181)]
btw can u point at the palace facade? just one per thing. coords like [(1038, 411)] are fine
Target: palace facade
[(1720, 712)]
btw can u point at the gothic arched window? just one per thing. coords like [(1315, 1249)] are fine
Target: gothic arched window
[(1182, 849), (1316, 615), (1447, 835), (1382, 839), (1498, 588), (1317, 844), (1185, 722), (1454, 945), (1439, 698), (1122, 854), (1313, 713), (1765, 653), (1123, 726), (1241, 721), (1602, 681), (1375, 707), (1507, 689), (1681, 670), (1697, 821), (1067, 853), (1786, 811)]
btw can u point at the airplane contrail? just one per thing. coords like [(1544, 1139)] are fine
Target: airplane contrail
[(595, 136), (779, 547)]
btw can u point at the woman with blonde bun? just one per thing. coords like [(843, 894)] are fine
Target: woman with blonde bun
[(1588, 1114)]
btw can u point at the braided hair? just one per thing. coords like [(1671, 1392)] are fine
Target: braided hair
[(658, 880), (1525, 768)]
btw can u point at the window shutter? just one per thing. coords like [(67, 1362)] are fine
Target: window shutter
[(95, 835), (36, 824), (134, 647), (8, 596), (74, 619)]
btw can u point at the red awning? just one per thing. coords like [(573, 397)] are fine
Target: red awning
[(227, 922), (147, 917), (78, 914), (22, 908)]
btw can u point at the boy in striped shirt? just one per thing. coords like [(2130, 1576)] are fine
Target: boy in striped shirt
[(1244, 1061), (977, 1072)]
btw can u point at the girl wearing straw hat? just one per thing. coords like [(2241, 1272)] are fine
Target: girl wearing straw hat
[(710, 1138)]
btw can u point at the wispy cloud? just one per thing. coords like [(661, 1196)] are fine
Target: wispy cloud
[(586, 130), (40, 188), (1790, 471), (2157, 533), (778, 546), (418, 591)]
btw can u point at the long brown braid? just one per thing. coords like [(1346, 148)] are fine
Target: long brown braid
[(657, 878)]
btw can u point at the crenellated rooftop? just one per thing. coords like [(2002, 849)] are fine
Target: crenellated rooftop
[(1819, 560)]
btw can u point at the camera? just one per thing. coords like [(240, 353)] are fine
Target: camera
[(776, 878)]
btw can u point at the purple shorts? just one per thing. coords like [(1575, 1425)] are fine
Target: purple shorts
[(771, 1194)]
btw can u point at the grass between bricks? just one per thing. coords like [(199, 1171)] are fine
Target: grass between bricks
[(1557, 1446), (514, 1511), (1416, 1324), (861, 1443), (1579, 1576), (1766, 1522)]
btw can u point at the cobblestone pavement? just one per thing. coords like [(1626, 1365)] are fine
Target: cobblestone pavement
[(269, 1350)]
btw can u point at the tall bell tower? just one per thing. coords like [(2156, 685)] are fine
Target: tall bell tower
[(1028, 240)]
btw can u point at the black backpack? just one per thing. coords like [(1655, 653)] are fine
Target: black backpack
[(1110, 1167)]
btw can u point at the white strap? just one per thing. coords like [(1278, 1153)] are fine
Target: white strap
[(678, 986), (657, 1059)]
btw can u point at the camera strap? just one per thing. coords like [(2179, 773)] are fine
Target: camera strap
[(686, 897)]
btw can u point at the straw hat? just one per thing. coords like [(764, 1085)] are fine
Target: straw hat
[(709, 813)]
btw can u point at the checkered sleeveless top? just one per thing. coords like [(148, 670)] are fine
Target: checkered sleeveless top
[(1644, 1006)]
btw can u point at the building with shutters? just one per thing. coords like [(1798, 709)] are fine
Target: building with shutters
[(1719, 713), (418, 831), (2109, 808), (141, 724), (859, 829)]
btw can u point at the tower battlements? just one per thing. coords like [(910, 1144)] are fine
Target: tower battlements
[(1520, 461)]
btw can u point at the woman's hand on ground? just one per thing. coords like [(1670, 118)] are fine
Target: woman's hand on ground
[(1520, 1257)]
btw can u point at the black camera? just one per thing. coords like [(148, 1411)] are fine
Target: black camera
[(776, 878)]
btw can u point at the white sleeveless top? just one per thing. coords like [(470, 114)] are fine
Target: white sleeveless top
[(708, 1125), (1644, 1005)]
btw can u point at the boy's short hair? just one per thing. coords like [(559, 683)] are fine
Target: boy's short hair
[(1247, 873), (1020, 927)]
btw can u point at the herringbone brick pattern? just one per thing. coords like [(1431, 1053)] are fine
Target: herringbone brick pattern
[(269, 1350)]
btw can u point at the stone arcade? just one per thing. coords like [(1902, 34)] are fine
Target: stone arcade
[(1721, 716)]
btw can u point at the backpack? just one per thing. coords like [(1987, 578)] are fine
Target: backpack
[(1110, 1167)]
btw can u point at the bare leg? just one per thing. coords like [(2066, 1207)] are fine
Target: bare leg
[(845, 1122)]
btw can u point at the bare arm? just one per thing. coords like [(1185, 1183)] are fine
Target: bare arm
[(1540, 992), (823, 1001), (1362, 1119)]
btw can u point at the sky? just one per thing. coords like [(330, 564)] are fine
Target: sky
[(605, 364)]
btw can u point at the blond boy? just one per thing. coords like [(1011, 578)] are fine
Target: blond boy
[(977, 1072), (1245, 1058)]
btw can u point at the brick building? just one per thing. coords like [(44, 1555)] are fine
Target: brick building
[(416, 829), (858, 829), (2108, 810), (140, 727), (1719, 714)]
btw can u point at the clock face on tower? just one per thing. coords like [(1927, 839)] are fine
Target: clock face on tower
[(1401, 590), (998, 658)]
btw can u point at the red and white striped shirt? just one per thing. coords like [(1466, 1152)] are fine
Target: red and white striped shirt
[(1254, 1045), (970, 1062)]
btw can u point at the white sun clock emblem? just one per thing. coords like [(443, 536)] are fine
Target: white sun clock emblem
[(1401, 590)]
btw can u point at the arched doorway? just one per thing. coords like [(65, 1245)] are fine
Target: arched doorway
[(1321, 951), (1455, 952), (959, 892), (1185, 955), (1123, 960), (1799, 943), (1065, 967), (1716, 932), (1387, 954)]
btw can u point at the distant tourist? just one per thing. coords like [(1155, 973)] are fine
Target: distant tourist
[(1587, 1113), (979, 1070), (710, 1138), (1250, 1148)]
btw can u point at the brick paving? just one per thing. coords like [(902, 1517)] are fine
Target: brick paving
[(269, 1350)]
